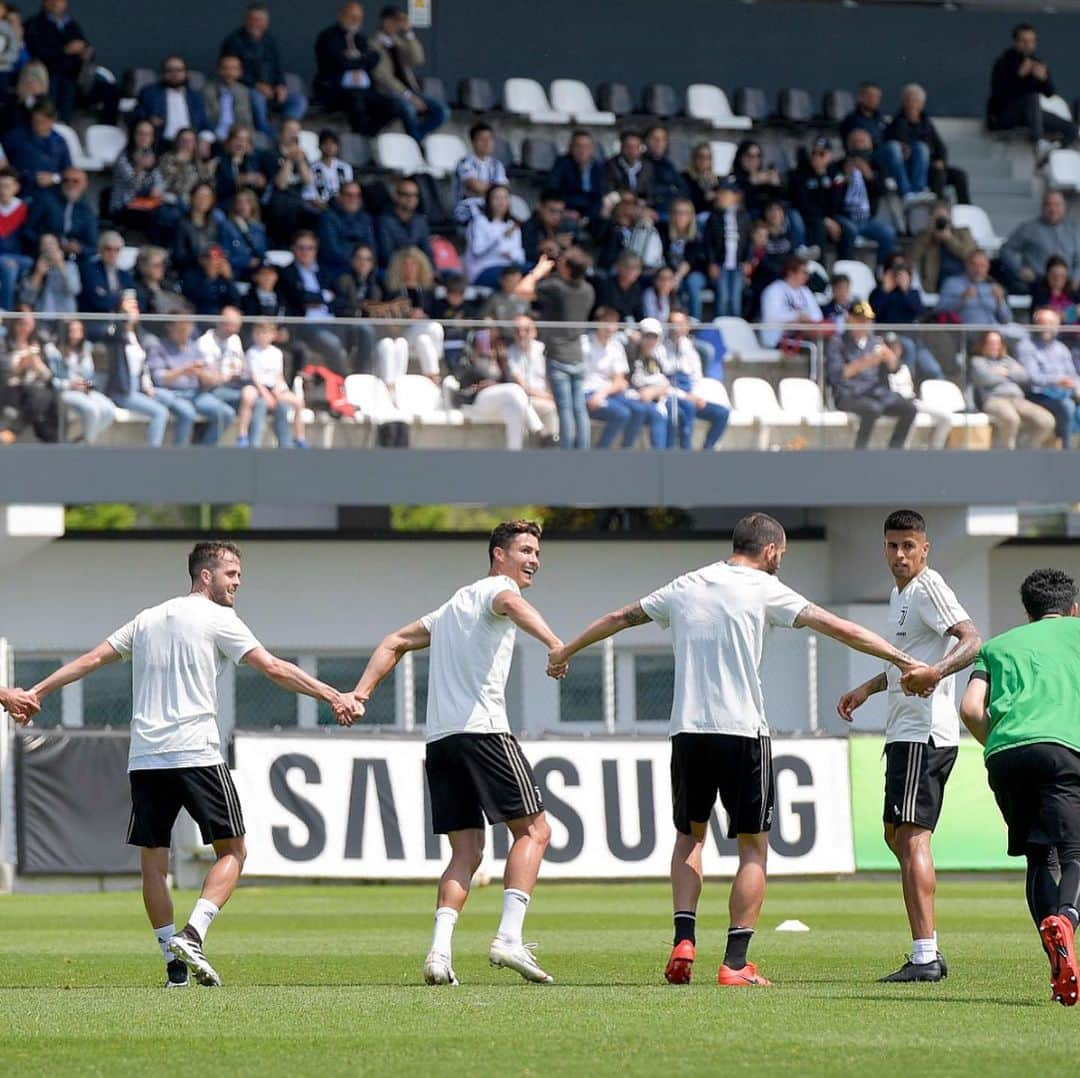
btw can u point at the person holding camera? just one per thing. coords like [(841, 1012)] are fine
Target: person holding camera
[(53, 285), (941, 249), (896, 301)]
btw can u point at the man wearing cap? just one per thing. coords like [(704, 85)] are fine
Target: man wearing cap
[(817, 190), (857, 367)]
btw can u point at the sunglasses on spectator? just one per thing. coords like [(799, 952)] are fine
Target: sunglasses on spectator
[(365, 258)]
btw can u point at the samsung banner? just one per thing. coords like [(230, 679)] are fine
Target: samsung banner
[(358, 809)]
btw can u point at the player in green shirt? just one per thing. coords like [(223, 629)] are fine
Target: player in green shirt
[(1023, 705)]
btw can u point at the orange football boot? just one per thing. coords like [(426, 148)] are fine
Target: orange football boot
[(747, 975), (1058, 941), (680, 963)]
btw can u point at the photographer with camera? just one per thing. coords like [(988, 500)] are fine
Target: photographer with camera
[(941, 249), (896, 301)]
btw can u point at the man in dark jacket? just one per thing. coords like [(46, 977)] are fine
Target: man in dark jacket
[(866, 115), (59, 42), (630, 169), (896, 301), (343, 226), (345, 63), (404, 225), (172, 89), (1016, 83), (817, 192), (70, 218), (862, 190), (548, 231), (578, 178), (38, 152), (668, 184), (263, 73), (305, 287), (914, 152), (103, 281)]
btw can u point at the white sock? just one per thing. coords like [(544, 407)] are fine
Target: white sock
[(202, 916), (515, 903), (923, 951), (443, 936), (164, 934)]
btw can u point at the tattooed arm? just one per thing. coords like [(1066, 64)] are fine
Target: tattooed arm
[(601, 629)]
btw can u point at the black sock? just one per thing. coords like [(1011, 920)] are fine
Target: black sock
[(1042, 888), (1069, 891), (190, 932), (685, 923), (738, 942)]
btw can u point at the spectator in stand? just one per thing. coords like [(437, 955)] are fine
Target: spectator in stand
[(156, 291), (867, 116), (454, 307), (399, 51), (760, 183), (783, 237), (290, 176), (1000, 384), (549, 231), (226, 100), (1031, 244), (1017, 82), (862, 192), (659, 300), (31, 88), (305, 286), (59, 42), (14, 261), (788, 301), (896, 301), (493, 240), (404, 225), (137, 183), (410, 276), (197, 232), (579, 179), (902, 382), (268, 391), (630, 169), (71, 360), (700, 178), (476, 172), (648, 375), (622, 290), (243, 236), (177, 365), (240, 165), (26, 383), (608, 396), (223, 353), (841, 300), (727, 245), (358, 294), (686, 374), (759, 272), (974, 298), (505, 304), (345, 62), (941, 249), (817, 190), (213, 289), (52, 286), (858, 363), (1053, 381), (343, 226), (262, 299), (527, 365), (329, 173), (171, 104), (565, 297), (12, 50), (262, 70), (182, 167), (1053, 290), (103, 281), (38, 152), (922, 152), (685, 254), (630, 228), (668, 185)]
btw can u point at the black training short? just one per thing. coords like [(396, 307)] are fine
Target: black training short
[(915, 777), (471, 776), (739, 769), (158, 795), (1037, 788)]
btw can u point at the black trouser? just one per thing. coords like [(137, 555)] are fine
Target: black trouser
[(870, 409), (947, 176), (101, 92), (369, 111), (36, 405), (1028, 112)]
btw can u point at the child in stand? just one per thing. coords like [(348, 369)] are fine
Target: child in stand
[(328, 172), (266, 369), (454, 308), (836, 310)]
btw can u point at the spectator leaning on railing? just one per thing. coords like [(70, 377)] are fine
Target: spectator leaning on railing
[(1053, 380)]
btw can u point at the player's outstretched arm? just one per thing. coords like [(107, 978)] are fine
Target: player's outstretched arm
[(923, 682), (75, 670), (973, 708), (601, 629), (858, 696), (855, 636), (526, 617), (291, 678), (411, 637), (20, 704)]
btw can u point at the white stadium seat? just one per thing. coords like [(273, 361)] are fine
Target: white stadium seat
[(976, 220), (742, 343), (723, 156), (309, 143), (802, 397), (443, 152), (1063, 170), (949, 397), (400, 153), (370, 397), (105, 143), (79, 157), (709, 103), (1056, 105), (860, 274), (526, 97), (126, 259), (574, 97), (279, 258), (755, 397), (421, 400)]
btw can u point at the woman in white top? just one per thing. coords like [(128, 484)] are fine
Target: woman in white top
[(493, 240), (72, 364), (608, 395), (266, 369), (527, 365)]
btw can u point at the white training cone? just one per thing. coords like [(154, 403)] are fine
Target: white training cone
[(792, 926)]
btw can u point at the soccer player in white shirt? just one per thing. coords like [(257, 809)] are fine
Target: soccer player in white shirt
[(922, 731), (719, 616), (177, 651), (474, 765)]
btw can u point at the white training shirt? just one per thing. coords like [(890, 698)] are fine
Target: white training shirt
[(718, 616), (471, 651), (603, 362), (266, 366), (919, 619), (177, 650)]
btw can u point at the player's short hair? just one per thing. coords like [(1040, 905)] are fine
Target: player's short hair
[(504, 534), (207, 553), (905, 520), (1047, 591), (755, 532)]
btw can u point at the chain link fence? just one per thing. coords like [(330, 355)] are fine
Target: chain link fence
[(654, 685), (260, 704)]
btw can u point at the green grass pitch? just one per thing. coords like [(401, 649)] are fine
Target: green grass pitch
[(326, 980)]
